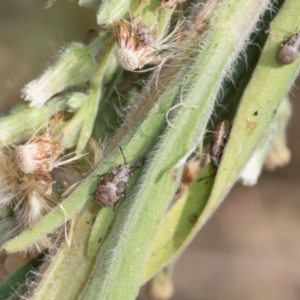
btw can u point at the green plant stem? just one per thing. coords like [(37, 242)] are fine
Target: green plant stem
[(94, 96), (138, 218), (70, 266), (20, 125)]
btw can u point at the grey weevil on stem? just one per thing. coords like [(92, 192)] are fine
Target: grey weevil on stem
[(113, 185), (290, 50)]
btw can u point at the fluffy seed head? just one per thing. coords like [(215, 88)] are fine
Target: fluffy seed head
[(34, 205), (24, 195), (129, 59), (133, 53), (26, 183), (37, 155)]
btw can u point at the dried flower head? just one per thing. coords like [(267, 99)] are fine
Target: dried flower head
[(26, 183), (37, 156), (24, 194), (138, 46), (9, 178)]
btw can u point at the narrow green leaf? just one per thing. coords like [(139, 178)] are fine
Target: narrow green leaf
[(102, 223), (179, 225), (91, 108)]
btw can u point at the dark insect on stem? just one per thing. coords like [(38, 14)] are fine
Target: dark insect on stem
[(218, 143), (144, 34), (113, 184)]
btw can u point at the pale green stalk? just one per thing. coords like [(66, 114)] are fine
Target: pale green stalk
[(20, 125), (91, 109), (68, 268)]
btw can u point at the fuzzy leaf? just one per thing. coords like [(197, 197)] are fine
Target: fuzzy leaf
[(70, 266), (179, 225)]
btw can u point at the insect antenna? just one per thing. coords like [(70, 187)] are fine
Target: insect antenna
[(123, 154)]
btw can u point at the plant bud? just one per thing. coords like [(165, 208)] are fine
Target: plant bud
[(74, 66)]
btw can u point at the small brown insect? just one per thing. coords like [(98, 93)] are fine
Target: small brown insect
[(170, 3), (290, 50), (143, 32), (217, 145), (113, 185), (218, 142)]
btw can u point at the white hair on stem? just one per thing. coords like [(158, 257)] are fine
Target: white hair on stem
[(182, 103)]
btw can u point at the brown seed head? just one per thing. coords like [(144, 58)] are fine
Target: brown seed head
[(137, 45), (37, 155), (134, 49)]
